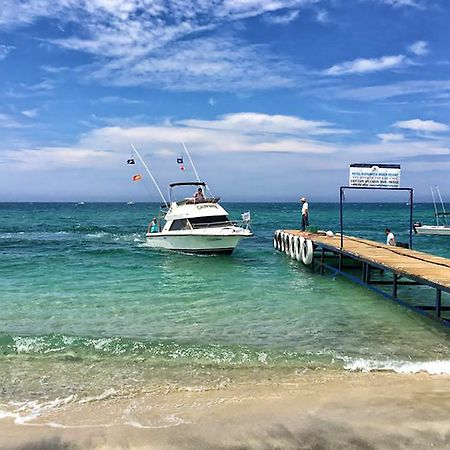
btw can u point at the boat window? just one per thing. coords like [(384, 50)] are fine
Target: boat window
[(209, 221), (181, 224)]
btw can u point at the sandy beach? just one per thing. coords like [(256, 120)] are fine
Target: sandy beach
[(314, 411)]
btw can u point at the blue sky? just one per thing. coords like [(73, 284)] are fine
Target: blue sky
[(274, 98)]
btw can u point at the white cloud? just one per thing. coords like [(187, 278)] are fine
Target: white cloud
[(117, 99), (235, 157), (391, 137), (54, 69), (402, 3), (419, 48), (384, 91), (165, 42), (282, 19), (243, 132), (322, 16), (30, 113), (257, 123), (56, 157), (398, 3), (422, 125), (23, 90), (362, 65), (7, 121), (237, 133), (213, 64), (5, 50)]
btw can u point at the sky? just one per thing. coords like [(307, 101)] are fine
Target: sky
[(273, 98)]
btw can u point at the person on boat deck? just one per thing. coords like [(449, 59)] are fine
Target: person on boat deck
[(153, 226), (390, 239), (199, 197), (305, 213)]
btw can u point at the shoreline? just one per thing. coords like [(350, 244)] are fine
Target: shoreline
[(314, 410)]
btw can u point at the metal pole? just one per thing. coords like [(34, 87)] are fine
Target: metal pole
[(151, 176), (364, 272), (438, 302), (394, 286), (322, 261), (411, 209), (341, 218)]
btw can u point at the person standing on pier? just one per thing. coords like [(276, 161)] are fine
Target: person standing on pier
[(305, 213), (390, 239)]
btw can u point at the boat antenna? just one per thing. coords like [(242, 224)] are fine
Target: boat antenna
[(193, 166), (192, 162), (151, 176)]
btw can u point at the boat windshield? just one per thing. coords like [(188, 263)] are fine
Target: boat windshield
[(192, 201), (209, 221)]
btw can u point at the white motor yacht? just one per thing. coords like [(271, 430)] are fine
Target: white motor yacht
[(197, 225)]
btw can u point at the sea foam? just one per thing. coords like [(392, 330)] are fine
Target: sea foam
[(439, 367)]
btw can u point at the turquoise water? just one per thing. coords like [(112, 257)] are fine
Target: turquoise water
[(87, 307)]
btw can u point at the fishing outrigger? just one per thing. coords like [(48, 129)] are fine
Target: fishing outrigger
[(196, 224)]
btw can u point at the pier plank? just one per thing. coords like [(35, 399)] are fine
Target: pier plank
[(410, 263)]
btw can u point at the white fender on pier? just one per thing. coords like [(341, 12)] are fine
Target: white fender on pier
[(279, 240), (298, 243), (307, 252), (287, 244), (275, 239), (292, 247)]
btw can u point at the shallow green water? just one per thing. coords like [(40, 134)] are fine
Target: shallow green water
[(86, 306)]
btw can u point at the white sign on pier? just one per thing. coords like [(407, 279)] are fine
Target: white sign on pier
[(375, 175)]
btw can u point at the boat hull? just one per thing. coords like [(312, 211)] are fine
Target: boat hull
[(433, 230), (212, 244)]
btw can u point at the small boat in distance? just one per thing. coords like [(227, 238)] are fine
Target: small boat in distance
[(130, 203), (197, 226), (442, 228), (79, 204)]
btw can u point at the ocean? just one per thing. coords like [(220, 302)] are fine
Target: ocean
[(88, 311)]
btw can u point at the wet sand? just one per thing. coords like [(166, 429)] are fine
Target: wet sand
[(314, 411)]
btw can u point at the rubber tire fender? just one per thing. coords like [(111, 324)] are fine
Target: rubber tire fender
[(279, 240), (282, 241), (287, 244), (307, 252), (292, 247), (275, 240), (298, 244)]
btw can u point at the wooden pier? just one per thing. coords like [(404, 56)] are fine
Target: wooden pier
[(374, 265)]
